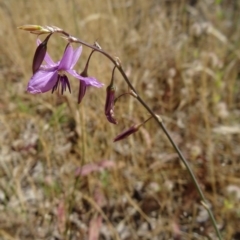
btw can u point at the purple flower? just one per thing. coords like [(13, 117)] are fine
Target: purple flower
[(49, 76)]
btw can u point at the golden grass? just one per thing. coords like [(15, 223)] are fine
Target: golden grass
[(184, 61)]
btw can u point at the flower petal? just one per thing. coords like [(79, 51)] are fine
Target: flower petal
[(49, 60), (88, 80), (66, 60), (42, 81), (92, 81), (75, 57)]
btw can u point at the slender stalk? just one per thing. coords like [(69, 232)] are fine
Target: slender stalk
[(158, 120), (77, 180), (123, 94)]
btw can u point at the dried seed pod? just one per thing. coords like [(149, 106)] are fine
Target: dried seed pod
[(36, 29)]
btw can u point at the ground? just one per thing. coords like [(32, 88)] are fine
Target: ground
[(61, 174)]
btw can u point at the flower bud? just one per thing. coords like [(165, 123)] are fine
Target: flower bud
[(82, 91), (110, 117), (40, 54), (109, 98), (130, 131), (109, 105), (127, 132)]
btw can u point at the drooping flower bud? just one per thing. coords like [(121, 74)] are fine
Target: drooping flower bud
[(40, 54), (109, 104), (85, 78), (130, 131), (127, 132), (82, 91), (109, 98)]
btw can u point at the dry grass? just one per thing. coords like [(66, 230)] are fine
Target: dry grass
[(184, 61)]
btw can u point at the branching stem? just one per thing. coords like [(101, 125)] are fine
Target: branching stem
[(156, 117)]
